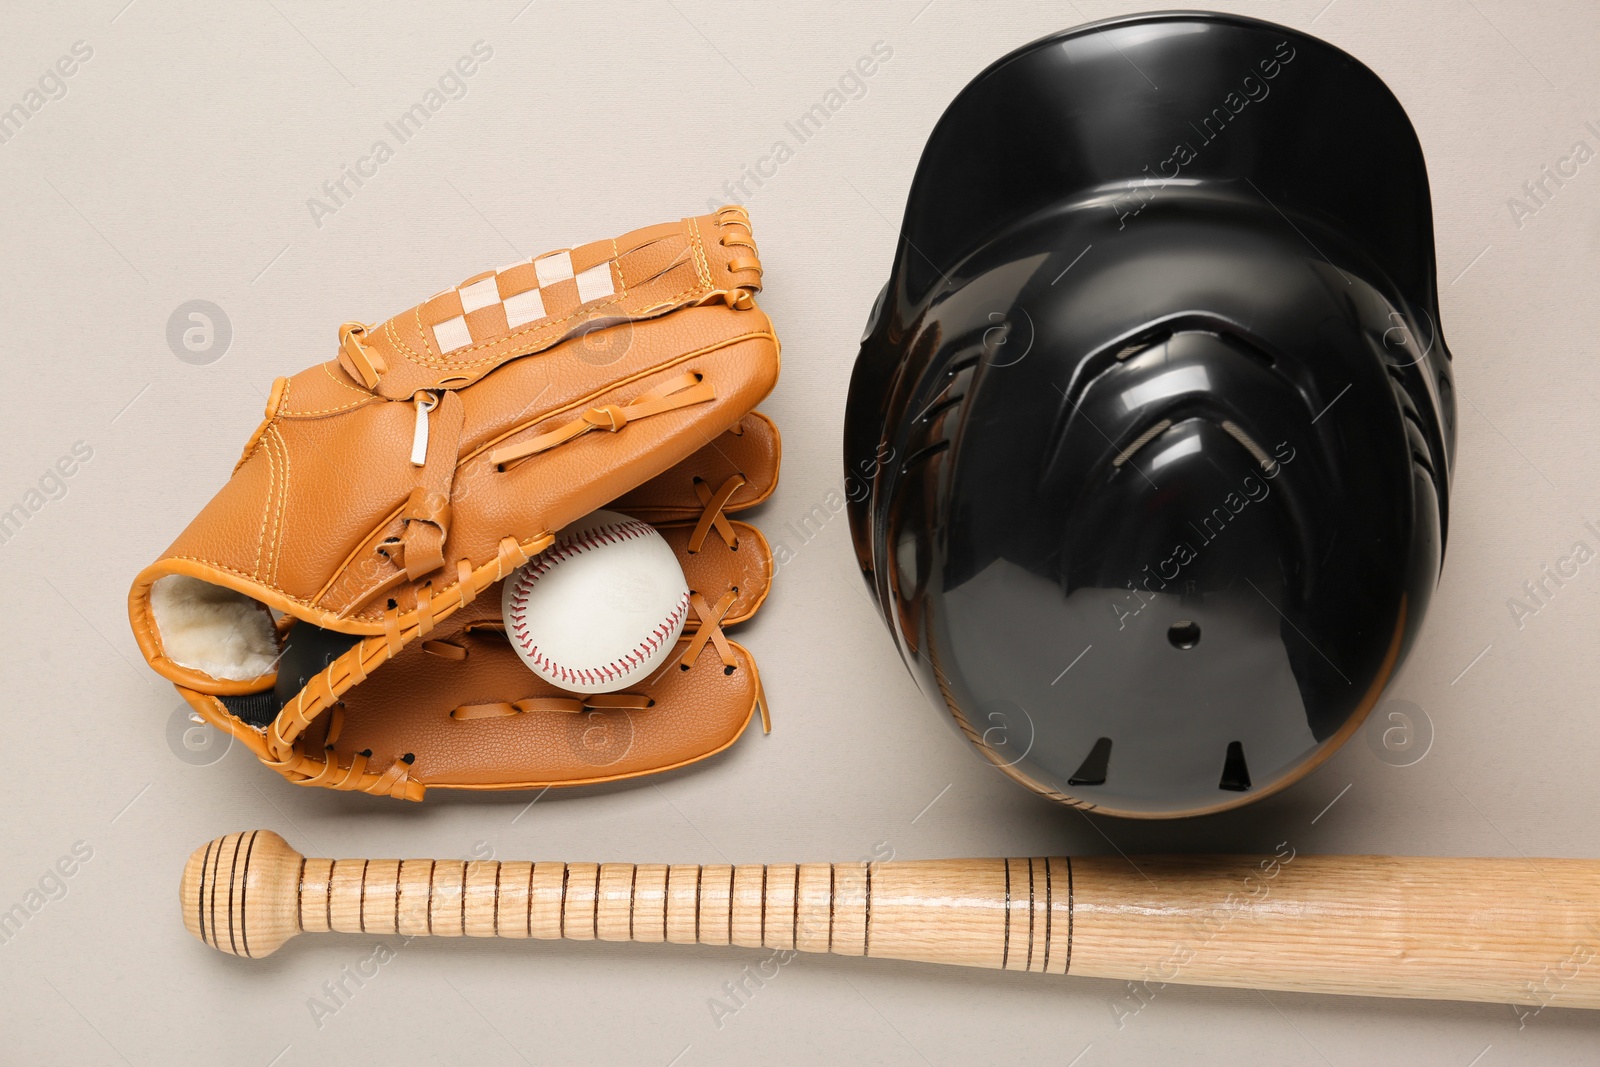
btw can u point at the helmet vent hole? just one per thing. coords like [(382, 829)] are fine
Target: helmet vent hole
[(1092, 771), (1139, 442), (1185, 634), (1256, 451), (1144, 342), (1235, 773)]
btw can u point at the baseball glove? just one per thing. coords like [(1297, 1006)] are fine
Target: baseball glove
[(336, 605)]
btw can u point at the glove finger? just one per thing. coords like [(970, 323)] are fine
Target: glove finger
[(750, 450), (718, 568)]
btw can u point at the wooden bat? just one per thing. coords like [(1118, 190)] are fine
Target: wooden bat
[(1500, 930)]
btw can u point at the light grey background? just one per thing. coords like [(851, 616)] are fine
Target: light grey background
[(178, 167)]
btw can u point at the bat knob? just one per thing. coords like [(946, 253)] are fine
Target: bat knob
[(241, 893)]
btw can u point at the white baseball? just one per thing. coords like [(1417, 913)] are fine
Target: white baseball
[(600, 608)]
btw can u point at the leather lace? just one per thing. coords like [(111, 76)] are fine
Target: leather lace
[(361, 363), (708, 630), (712, 516), (570, 705), (682, 391), (735, 225)]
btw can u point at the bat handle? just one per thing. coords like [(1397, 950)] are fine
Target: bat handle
[(248, 893)]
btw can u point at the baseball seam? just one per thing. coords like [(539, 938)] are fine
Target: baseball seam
[(599, 536)]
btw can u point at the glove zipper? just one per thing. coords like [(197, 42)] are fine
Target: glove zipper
[(425, 402)]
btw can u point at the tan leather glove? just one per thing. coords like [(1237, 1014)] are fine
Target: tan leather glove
[(389, 490)]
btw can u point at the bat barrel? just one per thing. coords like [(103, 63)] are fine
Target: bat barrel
[(1506, 931)]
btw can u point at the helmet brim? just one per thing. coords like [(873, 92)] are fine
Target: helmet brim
[(1127, 106)]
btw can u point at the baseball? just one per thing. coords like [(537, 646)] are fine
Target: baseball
[(600, 608)]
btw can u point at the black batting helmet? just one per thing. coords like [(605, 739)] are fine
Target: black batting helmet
[(1153, 424)]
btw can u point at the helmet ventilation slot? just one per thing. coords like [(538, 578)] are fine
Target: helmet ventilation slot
[(922, 455), (1092, 771), (1257, 453), (939, 407), (1139, 344), (1184, 634), (1235, 773), (1139, 442)]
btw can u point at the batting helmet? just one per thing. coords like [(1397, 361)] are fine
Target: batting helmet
[(1150, 437)]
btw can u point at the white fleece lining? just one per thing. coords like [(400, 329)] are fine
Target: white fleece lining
[(213, 630)]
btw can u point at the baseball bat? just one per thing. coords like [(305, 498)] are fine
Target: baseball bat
[(1514, 931)]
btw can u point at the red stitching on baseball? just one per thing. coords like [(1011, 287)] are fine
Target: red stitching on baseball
[(609, 534)]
